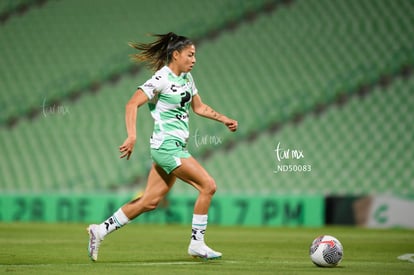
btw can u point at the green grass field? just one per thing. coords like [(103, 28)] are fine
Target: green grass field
[(161, 249)]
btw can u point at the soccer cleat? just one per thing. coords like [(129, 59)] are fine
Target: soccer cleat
[(94, 241), (203, 251)]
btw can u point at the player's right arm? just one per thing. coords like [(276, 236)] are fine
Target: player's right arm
[(131, 109)]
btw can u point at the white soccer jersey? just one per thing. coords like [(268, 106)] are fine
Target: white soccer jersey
[(169, 102)]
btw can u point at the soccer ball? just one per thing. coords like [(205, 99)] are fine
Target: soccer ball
[(326, 251)]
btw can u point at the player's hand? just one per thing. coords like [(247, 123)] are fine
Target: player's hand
[(127, 147), (231, 124)]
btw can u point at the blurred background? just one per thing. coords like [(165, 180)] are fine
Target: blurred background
[(323, 91)]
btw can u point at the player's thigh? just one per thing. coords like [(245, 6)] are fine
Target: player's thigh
[(192, 172), (159, 182)]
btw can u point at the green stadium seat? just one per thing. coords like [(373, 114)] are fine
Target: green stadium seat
[(262, 73)]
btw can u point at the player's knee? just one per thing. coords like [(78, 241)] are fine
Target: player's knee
[(152, 204), (210, 186)]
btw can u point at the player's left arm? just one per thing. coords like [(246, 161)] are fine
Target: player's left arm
[(204, 110)]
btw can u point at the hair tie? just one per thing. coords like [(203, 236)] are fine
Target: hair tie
[(173, 36)]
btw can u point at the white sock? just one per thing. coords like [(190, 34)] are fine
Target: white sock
[(114, 222), (199, 226)]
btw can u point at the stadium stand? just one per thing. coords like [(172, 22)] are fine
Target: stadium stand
[(62, 58), (355, 149), (65, 46), (273, 72), (10, 8)]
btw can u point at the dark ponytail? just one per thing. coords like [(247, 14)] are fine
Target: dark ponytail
[(158, 53)]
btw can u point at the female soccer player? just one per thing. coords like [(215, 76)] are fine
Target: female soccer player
[(169, 93)]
